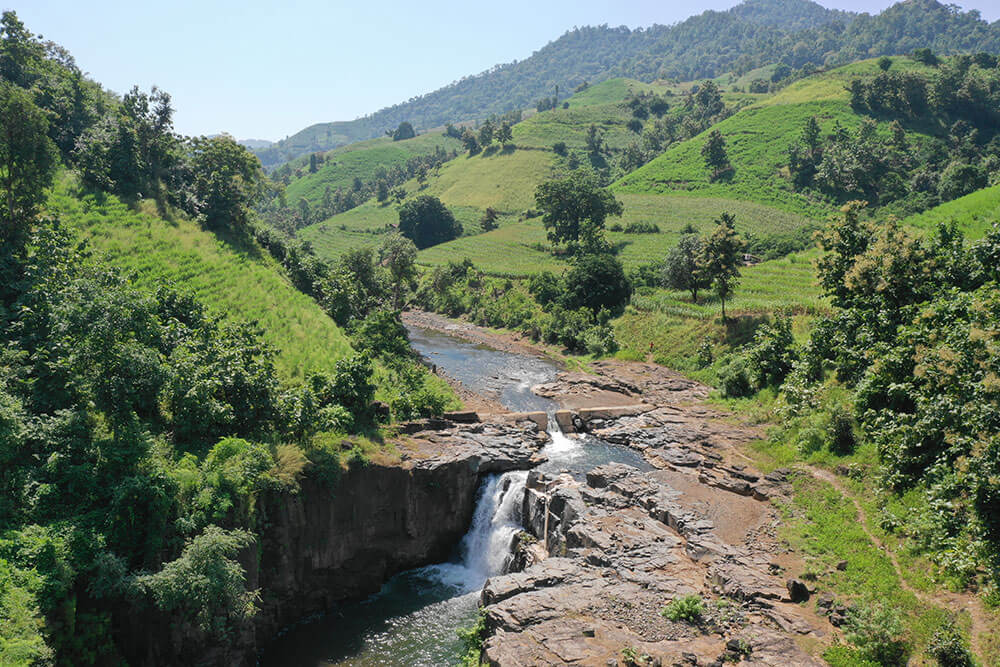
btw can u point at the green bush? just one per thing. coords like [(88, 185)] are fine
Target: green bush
[(472, 640), (772, 353), (688, 609), (842, 440), (876, 630), (948, 647), (734, 381)]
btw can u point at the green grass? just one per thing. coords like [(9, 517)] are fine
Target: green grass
[(362, 160), (975, 213), (757, 140), (676, 327), (513, 249), (610, 91), (237, 281)]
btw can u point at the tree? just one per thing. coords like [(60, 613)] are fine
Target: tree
[(470, 141), (381, 190), (404, 131), (312, 163), (716, 159), (596, 281), (884, 63), (399, 256), (574, 209), (595, 140), (723, 256), (504, 134), (27, 162), (489, 220), (683, 268), (226, 180), (486, 132), (427, 222)]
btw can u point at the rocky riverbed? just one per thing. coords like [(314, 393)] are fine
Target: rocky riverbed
[(608, 554)]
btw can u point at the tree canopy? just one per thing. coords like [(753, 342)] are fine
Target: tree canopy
[(574, 209), (426, 222)]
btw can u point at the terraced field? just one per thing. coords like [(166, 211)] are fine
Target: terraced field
[(236, 281)]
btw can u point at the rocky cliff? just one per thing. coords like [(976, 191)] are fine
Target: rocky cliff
[(335, 542)]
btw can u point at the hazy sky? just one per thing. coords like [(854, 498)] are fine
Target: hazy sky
[(257, 70)]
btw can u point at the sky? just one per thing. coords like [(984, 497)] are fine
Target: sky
[(257, 70)]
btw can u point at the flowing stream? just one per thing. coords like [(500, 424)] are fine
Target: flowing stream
[(412, 620)]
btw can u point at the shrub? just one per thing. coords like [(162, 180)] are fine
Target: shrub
[(595, 282), (382, 333), (559, 148), (876, 630), (688, 609), (472, 640), (770, 358), (545, 288), (948, 647), (734, 381), (642, 228), (704, 358), (842, 440), (600, 340)]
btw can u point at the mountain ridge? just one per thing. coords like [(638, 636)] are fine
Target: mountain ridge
[(753, 33)]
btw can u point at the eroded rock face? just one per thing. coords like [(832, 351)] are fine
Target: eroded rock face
[(331, 543), (625, 543)]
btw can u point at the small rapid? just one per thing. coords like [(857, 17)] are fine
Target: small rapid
[(413, 619)]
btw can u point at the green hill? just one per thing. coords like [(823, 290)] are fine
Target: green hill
[(362, 160), (757, 141), (751, 34), (505, 180), (975, 213), (234, 280)]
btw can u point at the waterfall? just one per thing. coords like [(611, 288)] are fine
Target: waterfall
[(486, 546)]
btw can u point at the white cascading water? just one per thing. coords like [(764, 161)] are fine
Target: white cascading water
[(485, 548)]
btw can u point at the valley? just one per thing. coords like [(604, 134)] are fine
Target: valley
[(674, 345)]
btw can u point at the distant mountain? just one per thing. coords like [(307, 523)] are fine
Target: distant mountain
[(756, 32), (255, 144)]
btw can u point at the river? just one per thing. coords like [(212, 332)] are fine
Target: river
[(412, 620)]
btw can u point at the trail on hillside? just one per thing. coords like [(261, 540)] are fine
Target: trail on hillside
[(952, 601)]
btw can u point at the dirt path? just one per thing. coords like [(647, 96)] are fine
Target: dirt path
[(954, 602)]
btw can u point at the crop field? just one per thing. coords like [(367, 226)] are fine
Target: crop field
[(235, 281), (521, 248), (757, 141)]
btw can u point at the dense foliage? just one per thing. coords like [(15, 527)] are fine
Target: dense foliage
[(138, 433), (956, 104)]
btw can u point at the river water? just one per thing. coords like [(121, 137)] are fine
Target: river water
[(412, 621)]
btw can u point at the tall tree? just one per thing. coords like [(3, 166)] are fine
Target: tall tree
[(684, 268), (574, 209), (226, 181), (723, 256), (27, 162), (716, 158), (399, 256)]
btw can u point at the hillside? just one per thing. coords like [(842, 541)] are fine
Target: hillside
[(362, 160), (975, 214), (757, 141), (752, 34), (236, 281)]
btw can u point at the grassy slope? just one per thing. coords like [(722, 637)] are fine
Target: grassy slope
[(975, 213), (757, 141), (361, 160), (506, 181), (239, 283)]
